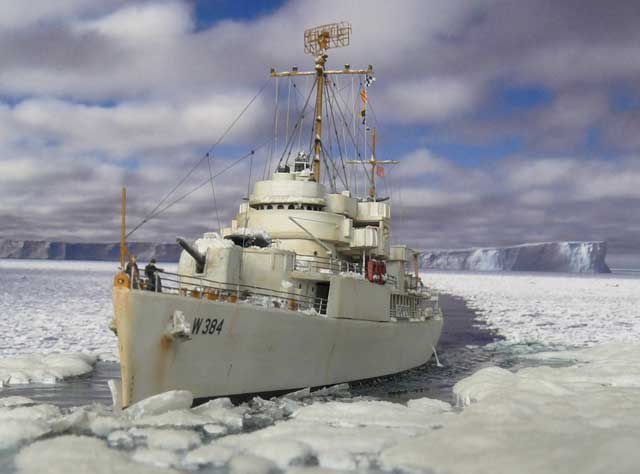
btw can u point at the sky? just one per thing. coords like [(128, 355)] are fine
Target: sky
[(514, 121)]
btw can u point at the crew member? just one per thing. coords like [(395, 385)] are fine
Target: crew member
[(153, 279), (133, 271)]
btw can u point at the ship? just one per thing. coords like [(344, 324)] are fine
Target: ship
[(303, 289)]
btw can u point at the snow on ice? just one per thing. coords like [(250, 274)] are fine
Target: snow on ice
[(57, 307), (549, 309), (44, 368), (60, 307), (576, 418)]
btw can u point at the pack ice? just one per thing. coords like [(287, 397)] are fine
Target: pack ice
[(549, 309), (579, 418)]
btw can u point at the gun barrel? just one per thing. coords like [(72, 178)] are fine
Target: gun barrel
[(197, 256)]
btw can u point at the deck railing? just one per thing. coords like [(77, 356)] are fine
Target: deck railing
[(333, 266), (203, 288), (313, 263), (407, 307)]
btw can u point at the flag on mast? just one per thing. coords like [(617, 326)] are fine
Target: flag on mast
[(363, 96), (368, 80), (380, 171)]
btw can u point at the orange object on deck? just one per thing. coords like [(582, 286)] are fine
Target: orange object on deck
[(121, 280)]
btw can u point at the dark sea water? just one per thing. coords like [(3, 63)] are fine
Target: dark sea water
[(461, 351)]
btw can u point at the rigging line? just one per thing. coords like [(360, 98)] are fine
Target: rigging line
[(341, 174), (385, 184), (299, 121), (246, 215), (332, 164), (213, 191), (332, 183), (354, 174), (335, 128), (344, 144), (275, 132), (329, 147), (286, 128), (298, 108), (289, 148), (163, 200), (344, 120), (199, 186), (370, 106), (267, 161), (272, 149), (298, 126), (364, 166)]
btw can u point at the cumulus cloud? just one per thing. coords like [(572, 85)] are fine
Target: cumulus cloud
[(94, 95), (523, 199)]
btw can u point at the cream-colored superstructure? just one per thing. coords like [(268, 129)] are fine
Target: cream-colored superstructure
[(298, 312)]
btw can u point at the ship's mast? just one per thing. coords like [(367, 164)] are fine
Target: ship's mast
[(374, 163), (317, 41), (317, 146), (123, 228)]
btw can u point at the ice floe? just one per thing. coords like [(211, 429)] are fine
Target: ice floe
[(161, 403), (210, 455), (16, 432), (543, 419), (250, 464), (44, 368), (78, 454), (167, 439)]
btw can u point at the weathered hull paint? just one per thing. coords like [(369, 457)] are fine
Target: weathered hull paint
[(258, 349)]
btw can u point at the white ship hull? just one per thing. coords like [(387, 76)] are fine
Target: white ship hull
[(253, 349)]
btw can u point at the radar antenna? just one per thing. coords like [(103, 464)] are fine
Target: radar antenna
[(321, 38)]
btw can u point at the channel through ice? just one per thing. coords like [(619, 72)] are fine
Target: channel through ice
[(577, 411)]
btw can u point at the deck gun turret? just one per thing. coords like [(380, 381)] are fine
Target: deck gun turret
[(197, 256)]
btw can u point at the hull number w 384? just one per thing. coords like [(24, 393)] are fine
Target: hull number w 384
[(207, 326)]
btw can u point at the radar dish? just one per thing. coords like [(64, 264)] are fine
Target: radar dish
[(321, 38)]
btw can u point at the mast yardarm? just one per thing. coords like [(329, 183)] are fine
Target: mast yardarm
[(317, 41)]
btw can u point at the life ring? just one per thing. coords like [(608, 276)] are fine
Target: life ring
[(382, 270), (376, 271), (371, 270)]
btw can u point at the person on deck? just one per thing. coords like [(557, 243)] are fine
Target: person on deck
[(153, 279), (133, 271)]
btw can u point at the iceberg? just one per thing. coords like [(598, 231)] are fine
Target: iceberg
[(49, 250), (565, 257)]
